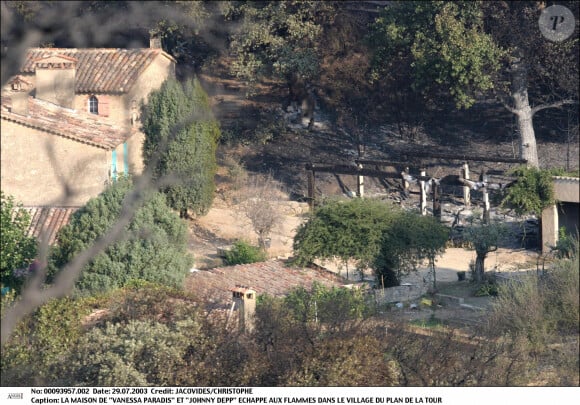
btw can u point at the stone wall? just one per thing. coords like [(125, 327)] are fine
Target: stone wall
[(402, 293), (36, 166)]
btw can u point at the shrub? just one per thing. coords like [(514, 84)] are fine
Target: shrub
[(17, 250), (531, 192), (242, 253), (153, 247), (41, 339)]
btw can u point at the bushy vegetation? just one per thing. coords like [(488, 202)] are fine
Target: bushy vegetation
[(347, 230), (532, 191), (146, 334), (373, 234), (17, 249), (411, 239), (541, 311), (153, 247), (181, 137), (242, 253)]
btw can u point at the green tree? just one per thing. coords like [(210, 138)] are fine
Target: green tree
[(153, 249), (465, 49), (485, 238), (17, 249), (181, 137), (406, 243), (347, 230), (278, 38)]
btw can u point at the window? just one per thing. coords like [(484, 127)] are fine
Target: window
[(94, 105)]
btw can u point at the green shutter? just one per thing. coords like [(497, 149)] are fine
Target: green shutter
[(125, 159), (114, 166)]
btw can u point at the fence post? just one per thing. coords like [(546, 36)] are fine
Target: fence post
[(466, 195)]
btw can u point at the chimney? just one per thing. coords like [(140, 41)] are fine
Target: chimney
[(155, 41), (245, 301), (19, 95), (55, 80)]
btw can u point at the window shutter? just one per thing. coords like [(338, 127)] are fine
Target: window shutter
[(104, 105), (114, 165)]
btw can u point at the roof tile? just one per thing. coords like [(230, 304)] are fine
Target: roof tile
[(46, 221), (79, 126), (100, 70), (273, 277)]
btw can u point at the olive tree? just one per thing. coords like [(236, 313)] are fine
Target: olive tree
[(484, 238)]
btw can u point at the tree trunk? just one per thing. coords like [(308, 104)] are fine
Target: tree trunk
[(432, 266), (479, 267), (523, 111)]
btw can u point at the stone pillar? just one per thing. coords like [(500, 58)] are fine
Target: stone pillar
[(406, 183), (549, 227), (360, 180), (423, 206), (466, 195), (360, 184)]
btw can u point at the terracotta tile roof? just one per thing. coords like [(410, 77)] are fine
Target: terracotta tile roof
[(47, 221), (214, 287), (79, 126), (100, 70)]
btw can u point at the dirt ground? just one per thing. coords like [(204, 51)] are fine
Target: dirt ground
[(225, 223)]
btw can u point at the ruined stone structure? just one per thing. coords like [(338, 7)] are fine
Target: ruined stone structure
[(563, 214)]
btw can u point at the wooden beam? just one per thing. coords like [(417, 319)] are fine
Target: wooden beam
[(380, 162), (351, 170), (466, 158), (436, 201)]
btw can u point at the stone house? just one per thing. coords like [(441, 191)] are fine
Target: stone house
[(70, 121)]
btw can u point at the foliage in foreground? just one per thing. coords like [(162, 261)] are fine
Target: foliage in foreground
[(17, 250), (153, 247), (147, 334)]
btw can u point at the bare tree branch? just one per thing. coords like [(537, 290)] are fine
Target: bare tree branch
[(555, 104)]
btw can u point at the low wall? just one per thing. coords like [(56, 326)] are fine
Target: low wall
[(402, 293)]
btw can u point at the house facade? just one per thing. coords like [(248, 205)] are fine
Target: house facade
[(70, 121)]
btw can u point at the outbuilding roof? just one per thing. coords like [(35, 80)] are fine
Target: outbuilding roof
[(275, 277), (45, 222)]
